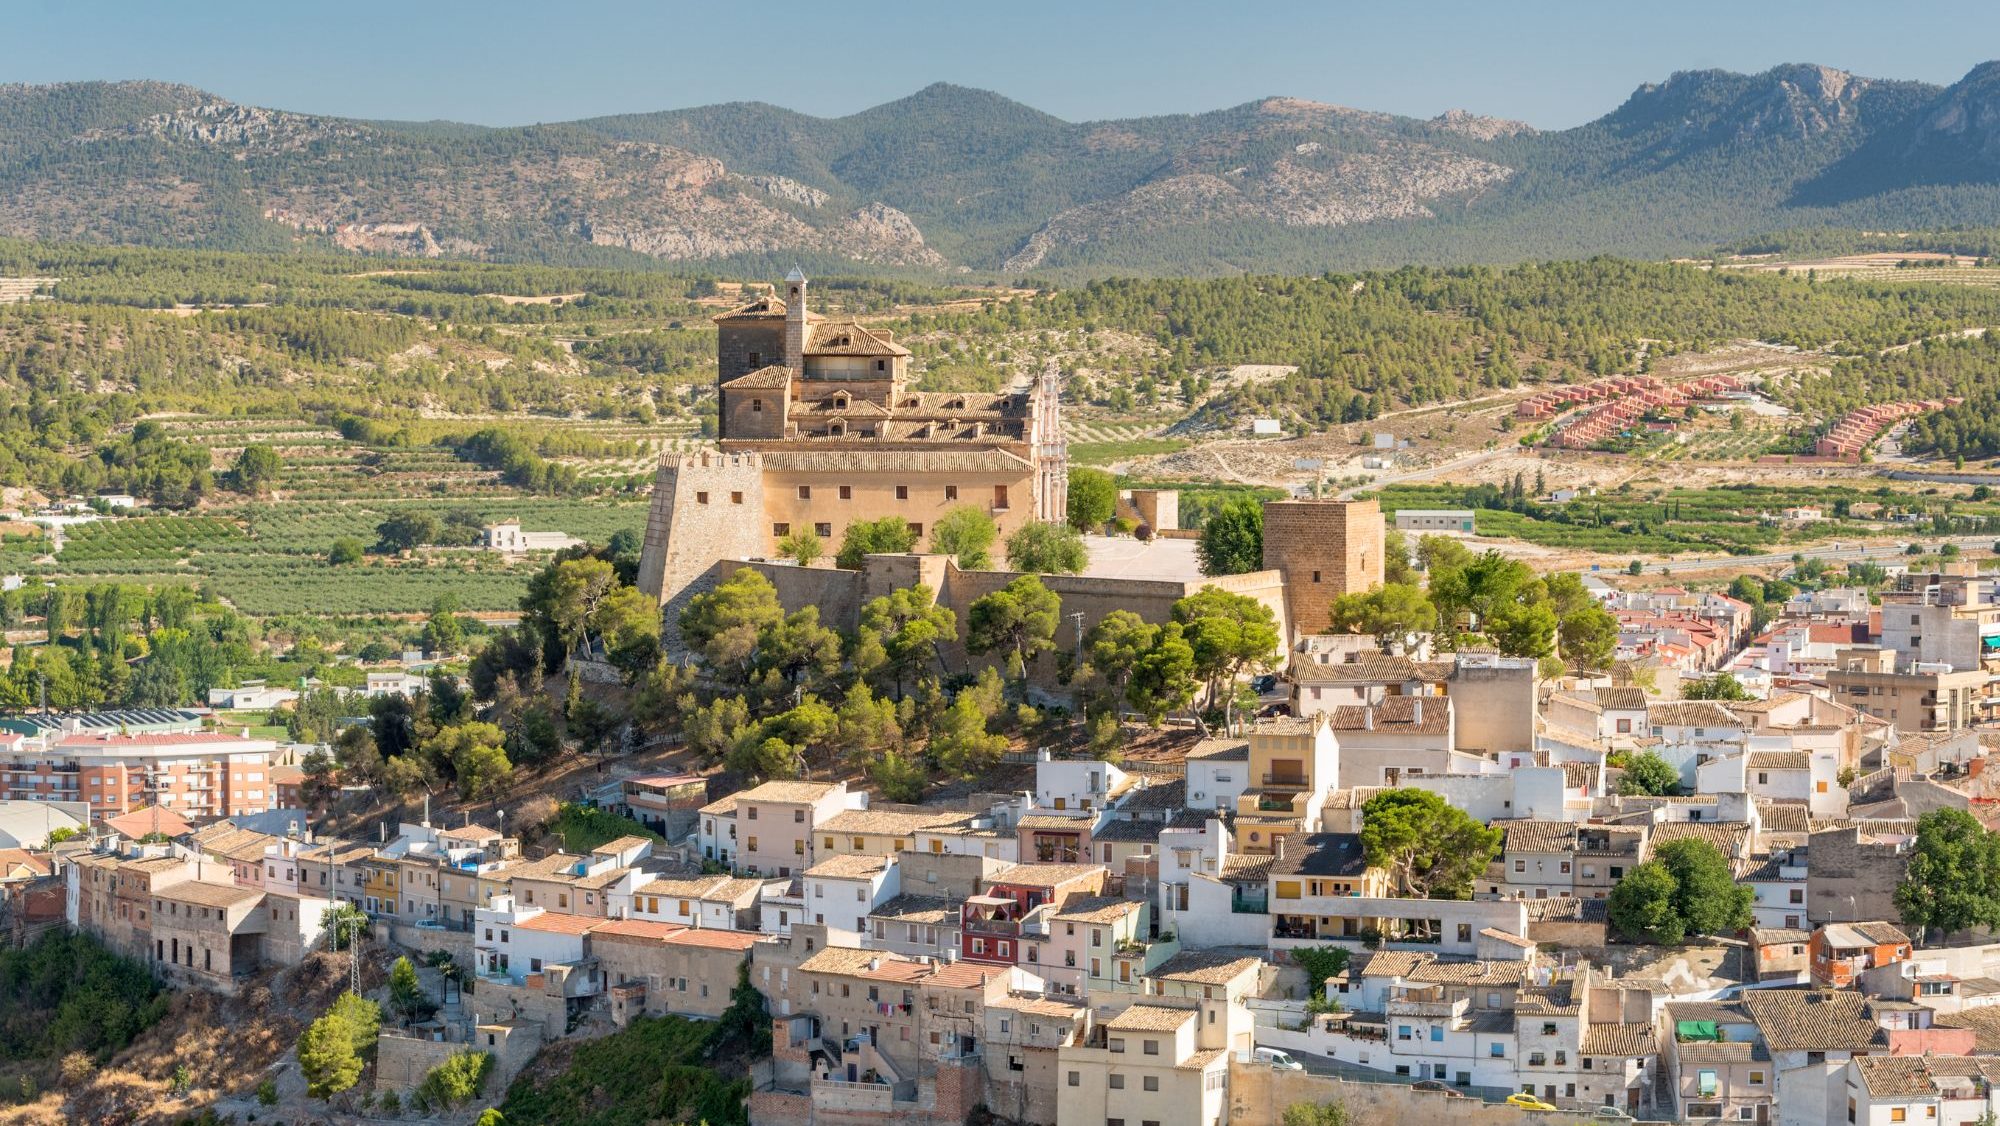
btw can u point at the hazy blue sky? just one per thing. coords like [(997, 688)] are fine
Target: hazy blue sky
[(498, 62)]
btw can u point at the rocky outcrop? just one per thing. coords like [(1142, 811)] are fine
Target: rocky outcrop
[(790, 190), (1478, 127)]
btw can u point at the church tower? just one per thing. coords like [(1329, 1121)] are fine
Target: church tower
[(795, 321)]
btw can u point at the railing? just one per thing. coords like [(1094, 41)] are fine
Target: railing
[(992, 926), (1286, 782), (1250, 904), (1277, 805)]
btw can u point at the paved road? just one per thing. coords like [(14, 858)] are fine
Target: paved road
[(1428, 471), (1848, 552)]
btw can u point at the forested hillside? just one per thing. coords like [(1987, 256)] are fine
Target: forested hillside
[(952, 179)]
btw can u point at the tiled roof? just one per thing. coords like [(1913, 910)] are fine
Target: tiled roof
[(932, 909), (1777, 936), (634, 928), (556, 922), (1727, 836), (695, 887), (622, 844), (1556, 999), (1322, 854), (989, 460), (1780, 760), (1454, 971), (1150, 1018), (1691, 713), (772, 376), (1053, 821), (849, 338), (204, 894), (1618, 1040), (888, 822), (1038, 1006), (1984, 1022), (1624, 699), (847, 867), (1704, 1053), (1407, 715), (715, 938), (1581, 775), (891, 823), (1171, 795), (1246, 866), (800, 793), (1220, 750), (1812, 1021), (1539, 836), (1097, 908), (721, 806), (1894, 1076), (1044, 875), (149, 819), (1205, 967), (1782, 817), (1386, 963), (1566, 909), (848, 960)]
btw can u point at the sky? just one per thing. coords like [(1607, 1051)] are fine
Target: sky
[(1553, 64)]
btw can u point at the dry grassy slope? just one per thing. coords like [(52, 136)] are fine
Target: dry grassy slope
[(228, 1045)]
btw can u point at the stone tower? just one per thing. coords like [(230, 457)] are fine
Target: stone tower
[(1324, 549), (706, 506), (795, 321)]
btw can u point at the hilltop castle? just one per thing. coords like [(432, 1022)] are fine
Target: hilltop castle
[(818, 429)]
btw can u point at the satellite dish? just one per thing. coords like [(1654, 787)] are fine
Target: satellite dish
[(1410, 640)]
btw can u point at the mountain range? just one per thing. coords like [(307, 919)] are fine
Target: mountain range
[(952, 180)]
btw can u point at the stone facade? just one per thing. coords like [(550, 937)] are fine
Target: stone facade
[(818, 431), (705, 506), (1324, 549)]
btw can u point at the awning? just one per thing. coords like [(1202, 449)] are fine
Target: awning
[(1697, 1030)]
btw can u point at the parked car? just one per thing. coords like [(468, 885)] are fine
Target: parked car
[(1611, 1114), (1526, 1101), (1278, 1060), (1439, 1086), (1264, 684)]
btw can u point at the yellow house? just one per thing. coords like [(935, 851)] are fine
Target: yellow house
[(380, 883), (1294, 762)]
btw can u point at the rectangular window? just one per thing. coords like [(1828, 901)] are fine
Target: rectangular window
[(902, 492), (756, 406), (847, 492), (1151, 1083), (735, 497), (781, 529), (1117, 1083), (1075, 1079), (1151, 1047), (822, 530), (805, 492), (951, 492)]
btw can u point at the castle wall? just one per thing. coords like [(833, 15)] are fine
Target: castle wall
[(841, 594), (705, 506), (1324, 549)]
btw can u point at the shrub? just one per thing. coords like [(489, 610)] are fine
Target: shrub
[(456, 1080)]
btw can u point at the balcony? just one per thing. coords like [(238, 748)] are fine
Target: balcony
[(1252, 901), (1427, 1007), (1286, 782), (1005, 927)]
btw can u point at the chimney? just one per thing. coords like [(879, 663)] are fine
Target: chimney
[(1417, 710)]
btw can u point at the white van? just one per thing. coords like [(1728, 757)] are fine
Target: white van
[(1278, 1060)]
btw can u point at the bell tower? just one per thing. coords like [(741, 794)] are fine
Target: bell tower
[(795, 321)]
